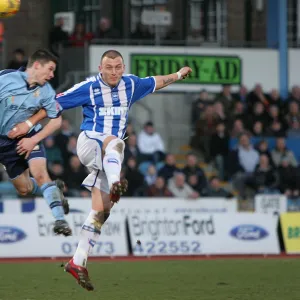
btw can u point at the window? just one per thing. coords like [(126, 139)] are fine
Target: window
[(209, 19)]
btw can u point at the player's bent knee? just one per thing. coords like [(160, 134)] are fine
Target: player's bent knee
[(42, 178), (99, 219), (116, 145), (24, 190)]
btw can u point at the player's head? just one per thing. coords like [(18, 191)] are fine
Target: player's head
[(42, 64), (112, 67)]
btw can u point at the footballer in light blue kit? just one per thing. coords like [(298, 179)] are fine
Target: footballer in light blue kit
[(105, 100), (22, 94)]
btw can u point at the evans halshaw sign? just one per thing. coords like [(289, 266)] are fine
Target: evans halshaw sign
[(206, 69)]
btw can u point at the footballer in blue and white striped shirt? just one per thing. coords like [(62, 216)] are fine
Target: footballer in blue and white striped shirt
[(105, 100)]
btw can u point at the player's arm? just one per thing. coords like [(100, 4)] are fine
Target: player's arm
[(26, 145), (24, 127), (163, 81)]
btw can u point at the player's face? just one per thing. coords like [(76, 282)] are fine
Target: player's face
[(44, 72), (112, 70)]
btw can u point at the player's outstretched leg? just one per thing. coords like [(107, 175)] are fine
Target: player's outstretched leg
[(112, 162), (53, 197), (65, 204), (61, 185), (89, 236), (51, 193), (118, 189), (80, 274)]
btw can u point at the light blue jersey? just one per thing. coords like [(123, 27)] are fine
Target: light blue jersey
[(18, 102), (105, 109)]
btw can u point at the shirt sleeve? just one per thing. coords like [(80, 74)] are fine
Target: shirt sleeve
[(142, 87), (78, 95), (49, 103)]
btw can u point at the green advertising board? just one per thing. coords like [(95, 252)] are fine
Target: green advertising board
[(207, 69)]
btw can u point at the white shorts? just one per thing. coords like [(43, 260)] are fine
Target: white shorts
[(89, 151)]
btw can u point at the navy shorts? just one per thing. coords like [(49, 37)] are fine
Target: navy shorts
[(14, 163)]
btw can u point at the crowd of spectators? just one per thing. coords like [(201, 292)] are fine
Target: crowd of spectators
[(252, 119)]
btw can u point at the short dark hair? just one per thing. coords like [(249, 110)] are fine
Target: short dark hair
[(111, 54), (43, 56)]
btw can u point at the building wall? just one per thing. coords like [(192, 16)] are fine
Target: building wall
[(29, 28)]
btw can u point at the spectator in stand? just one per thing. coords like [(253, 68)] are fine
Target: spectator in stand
[(275, 129), (53, 153), (192, 168), (79, 37), (151, 175), (105, 31), (295, 94), (62, 138), (274, 115), (193, 182), (281, 152), (74, 175), (205, 128), (71, 147), (257, 96), (238, 129), (219, 148), (265, 179), (169, 168), (258, 114), (158, 189), (258, 129), (219, 110), (274, 99), (241, 96), (215, 190), (129, 131), (226, 98), (180, 189), (288, 179), (198, 107), (56, 170), (58, 37), (135, 179), (151, 145), (18, 60), (239, 112), (242, 164), (263, 149), (132, 149), (293, 113), (294, 131)]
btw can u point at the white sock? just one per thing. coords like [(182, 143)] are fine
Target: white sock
[(88, 238), (112, 167)]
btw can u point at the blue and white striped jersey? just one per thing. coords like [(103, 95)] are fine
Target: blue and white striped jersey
[(105, 109)]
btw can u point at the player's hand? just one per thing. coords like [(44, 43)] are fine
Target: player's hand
[(25, 146), (19, 130), (185, 71)]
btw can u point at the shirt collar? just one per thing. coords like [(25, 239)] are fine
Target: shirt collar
[(25, 77)]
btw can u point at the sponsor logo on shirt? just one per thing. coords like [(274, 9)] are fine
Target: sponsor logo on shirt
[(113, 111)]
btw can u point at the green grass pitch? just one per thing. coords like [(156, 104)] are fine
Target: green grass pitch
[(220, 279)]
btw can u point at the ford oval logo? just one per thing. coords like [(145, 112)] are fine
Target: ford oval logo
[(9, 235), (248, 232)]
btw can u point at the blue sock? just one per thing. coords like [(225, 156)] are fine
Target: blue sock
[(36, 190), (52, 195)]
